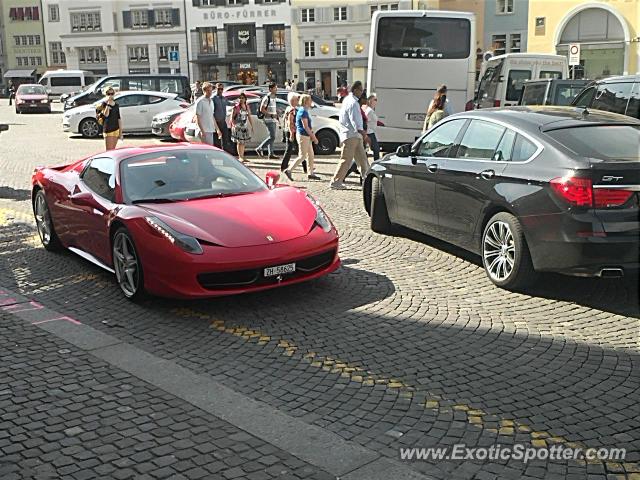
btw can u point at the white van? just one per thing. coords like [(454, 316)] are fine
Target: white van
[(503, 76), (58, 82)]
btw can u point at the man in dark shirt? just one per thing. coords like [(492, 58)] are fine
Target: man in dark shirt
[(220, 104)]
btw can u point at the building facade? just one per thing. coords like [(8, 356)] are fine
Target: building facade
[(124, 37), (248, 41), (331, 44), (608, 33), (505, 26), (22, 39)]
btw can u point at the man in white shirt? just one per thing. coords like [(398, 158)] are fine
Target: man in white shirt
[(352, 136), (204, 115)]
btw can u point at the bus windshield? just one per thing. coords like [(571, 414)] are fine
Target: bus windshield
[(421, 37)]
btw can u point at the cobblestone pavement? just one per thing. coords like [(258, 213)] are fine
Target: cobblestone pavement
[(408, 344)]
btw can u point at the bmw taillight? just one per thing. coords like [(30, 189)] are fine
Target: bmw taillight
[(575, 191), (610, 197), (380, 124), (581, 193), (184, 105), (496, 103)]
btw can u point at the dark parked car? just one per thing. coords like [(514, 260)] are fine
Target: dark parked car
[(152, 82), (527, 188), (614, 94), (551, 91)]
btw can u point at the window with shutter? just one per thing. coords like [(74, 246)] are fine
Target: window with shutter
[(126, 19)]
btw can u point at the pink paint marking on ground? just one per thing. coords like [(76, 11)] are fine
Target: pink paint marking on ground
[(22, 307), (7, 301), (68, 319)]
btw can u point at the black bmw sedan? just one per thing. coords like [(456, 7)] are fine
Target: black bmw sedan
[(527, 188)]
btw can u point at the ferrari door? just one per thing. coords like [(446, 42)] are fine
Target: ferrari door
[(93, 199)]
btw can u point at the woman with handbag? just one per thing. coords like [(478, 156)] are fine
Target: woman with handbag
[(108, 116), (240, 123)]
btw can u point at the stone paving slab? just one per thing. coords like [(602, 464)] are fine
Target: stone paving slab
[(318, 447)]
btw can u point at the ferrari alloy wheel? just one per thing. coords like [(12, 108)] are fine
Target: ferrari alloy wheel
[(44, 223), (127, 265), (505, 254)]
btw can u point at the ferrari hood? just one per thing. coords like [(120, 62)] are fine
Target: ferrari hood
[(259, 218)]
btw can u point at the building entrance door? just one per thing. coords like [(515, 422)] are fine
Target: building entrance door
[(326, 83)]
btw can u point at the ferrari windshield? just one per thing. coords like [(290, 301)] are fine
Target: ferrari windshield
[(176, 175)]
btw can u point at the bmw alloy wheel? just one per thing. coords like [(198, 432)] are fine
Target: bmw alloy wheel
[(125, 262), (499, 251)]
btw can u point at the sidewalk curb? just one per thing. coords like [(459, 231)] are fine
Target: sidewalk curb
[(312, 444)]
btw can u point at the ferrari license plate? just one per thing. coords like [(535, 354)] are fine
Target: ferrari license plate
[(279, 270)]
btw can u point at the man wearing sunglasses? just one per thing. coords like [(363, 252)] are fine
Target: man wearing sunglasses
[(220, 104)]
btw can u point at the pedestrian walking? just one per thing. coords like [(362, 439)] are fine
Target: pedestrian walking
[(269, 114), (288, 85), (319, 91), (362, 102), (289, 129), (372, 124), (353, 137), (306, 139), (108, 116), (220, 104), (12, 91), (448, 109), (204, 114), (437, 111), (240, 124), (197, 92)]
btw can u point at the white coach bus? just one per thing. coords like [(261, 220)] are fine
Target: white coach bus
[(411, 53)]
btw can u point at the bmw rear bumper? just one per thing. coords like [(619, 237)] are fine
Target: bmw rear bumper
[(578, 245)]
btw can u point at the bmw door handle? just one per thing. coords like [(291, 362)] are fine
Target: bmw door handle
[(488, 174), (433, 168)]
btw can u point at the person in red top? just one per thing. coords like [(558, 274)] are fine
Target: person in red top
[(342, 92)]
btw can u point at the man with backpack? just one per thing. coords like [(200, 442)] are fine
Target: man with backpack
[(268, 113)]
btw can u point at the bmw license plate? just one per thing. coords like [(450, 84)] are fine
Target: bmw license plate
[(279, 270)]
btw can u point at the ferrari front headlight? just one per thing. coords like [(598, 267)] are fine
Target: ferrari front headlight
[(185, 242)]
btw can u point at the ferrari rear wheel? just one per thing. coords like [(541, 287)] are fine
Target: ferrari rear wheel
[(44, 223), (127, 266)]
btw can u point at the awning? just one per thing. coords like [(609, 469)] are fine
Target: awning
[(19, 73)]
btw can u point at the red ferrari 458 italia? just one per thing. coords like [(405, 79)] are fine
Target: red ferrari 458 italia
[(183, 221)]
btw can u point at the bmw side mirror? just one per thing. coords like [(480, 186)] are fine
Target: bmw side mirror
[(404, 151)]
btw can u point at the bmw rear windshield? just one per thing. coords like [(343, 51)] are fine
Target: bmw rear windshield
[(424, 38), (605, 142)]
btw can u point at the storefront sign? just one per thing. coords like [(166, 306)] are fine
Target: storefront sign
[(244, 36), (240, 14)]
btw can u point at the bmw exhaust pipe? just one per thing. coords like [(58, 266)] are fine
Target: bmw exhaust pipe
[(611, 273)]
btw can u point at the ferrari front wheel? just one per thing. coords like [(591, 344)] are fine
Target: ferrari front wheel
[(127, 265)]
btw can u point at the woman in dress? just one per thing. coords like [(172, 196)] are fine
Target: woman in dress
[(108, 115), (240, 123)]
